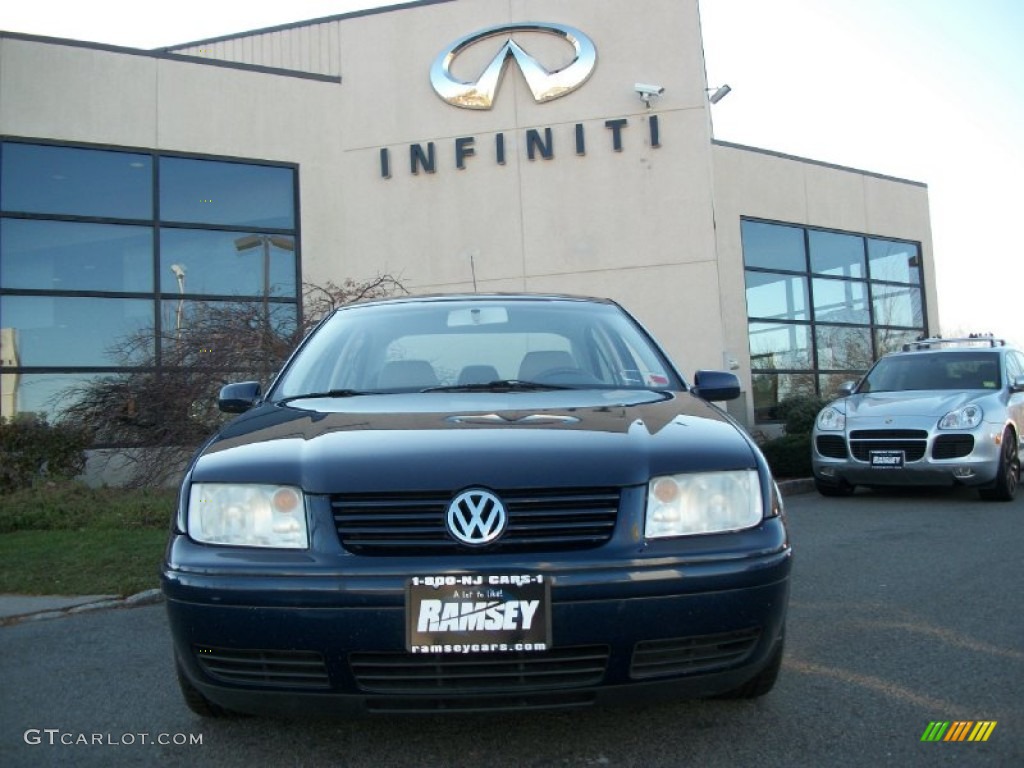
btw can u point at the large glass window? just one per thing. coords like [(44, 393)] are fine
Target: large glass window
[(39, 178), (211, 192), (823, 305), (94, 271), (52, 255)]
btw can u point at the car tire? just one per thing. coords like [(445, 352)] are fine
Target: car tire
[(842, 488), (195, 701), (1008, 476), (762, 682)]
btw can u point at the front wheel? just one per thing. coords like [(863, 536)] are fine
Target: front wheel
[(1008, 476)]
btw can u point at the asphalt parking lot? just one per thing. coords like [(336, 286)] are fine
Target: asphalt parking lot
[(907, 608)]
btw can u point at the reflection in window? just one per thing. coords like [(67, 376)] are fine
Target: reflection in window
[(772, 246), (39, 394), (897, 305), (81, 283), (894, 261), (68, 180), (58, 331), (226, 263), (776, 296), (779, 345), (840, 301), (215, 192), (74, 256), (843, 347), (770, 389), (863, 307), (836, 254)]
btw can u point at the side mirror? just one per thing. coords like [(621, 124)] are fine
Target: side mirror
[(846, 388), (716, 385), (1018, 384), (239, 398)]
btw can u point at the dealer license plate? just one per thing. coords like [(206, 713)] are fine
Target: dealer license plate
[(478, 613), (887, 459)]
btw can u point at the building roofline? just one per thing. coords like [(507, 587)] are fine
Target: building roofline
[(166, 55), (809, 161), (307, 23)]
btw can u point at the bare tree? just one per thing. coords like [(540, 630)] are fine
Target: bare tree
[(158, 412)]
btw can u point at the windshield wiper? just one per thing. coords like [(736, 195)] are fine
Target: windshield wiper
[(327, 393), (499, 385)]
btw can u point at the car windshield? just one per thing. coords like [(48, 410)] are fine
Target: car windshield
[(934, 370), (475, 344)]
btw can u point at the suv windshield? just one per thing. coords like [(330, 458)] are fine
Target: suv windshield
[(414, 345), (934, 370)]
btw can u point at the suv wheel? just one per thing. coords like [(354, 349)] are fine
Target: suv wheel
[(1005, 487)]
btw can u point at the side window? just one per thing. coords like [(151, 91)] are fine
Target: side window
[(1014, 365)]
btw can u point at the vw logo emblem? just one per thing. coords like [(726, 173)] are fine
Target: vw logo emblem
[(476, 517), (544, 84)]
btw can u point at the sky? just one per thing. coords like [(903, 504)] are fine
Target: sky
[(927, 90)]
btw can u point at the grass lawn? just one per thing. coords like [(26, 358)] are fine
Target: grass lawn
[(68, 539)]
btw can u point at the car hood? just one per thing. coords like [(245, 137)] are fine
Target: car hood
[(906, 404), (446, 441)]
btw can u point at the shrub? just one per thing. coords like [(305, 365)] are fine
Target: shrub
[(32, 449), (798, 413), (789, 455)]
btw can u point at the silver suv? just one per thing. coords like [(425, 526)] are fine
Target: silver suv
[(940, 412)]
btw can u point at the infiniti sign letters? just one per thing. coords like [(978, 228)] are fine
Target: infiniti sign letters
[(544, 85)]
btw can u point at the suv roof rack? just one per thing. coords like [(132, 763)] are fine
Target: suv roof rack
[(938, 341)]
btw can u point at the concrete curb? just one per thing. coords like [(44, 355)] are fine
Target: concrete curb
[(793, 487), (15, 609)]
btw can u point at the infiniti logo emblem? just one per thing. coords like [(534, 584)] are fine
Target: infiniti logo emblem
[(545, 85), (476, 517)]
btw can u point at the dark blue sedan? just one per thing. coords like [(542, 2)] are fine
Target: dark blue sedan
[(473, 503)]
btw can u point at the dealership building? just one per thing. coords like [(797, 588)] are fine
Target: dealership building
[(459, 145)]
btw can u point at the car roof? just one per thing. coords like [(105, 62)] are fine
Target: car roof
[(495, 296)]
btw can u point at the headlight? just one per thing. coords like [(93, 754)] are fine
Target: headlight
[(247, 515), (967, 417), (831, 420), (707, 502)]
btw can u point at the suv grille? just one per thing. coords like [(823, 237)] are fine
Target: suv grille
[(833, 446), (414, 524), (952, 446), (912, 442)]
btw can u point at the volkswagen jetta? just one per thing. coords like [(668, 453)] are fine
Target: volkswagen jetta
[(472, 503)]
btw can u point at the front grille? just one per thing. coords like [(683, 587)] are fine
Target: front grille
[(952, 446), (833, 446), (912, 442), (278, 669), (692, 655), (491, 673), (414, 524)]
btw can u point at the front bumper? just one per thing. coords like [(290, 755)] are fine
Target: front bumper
[(651, 626), (929, 457)]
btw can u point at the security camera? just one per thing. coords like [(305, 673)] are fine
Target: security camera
[(646, 91)]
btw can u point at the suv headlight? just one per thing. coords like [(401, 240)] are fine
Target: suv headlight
[(247, 515), (967, 417), (831, 419), (705, 502)]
